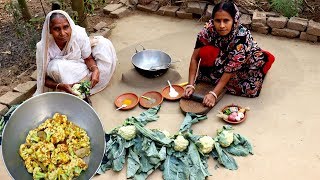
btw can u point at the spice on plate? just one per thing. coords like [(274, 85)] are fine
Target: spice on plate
[(127, 102)]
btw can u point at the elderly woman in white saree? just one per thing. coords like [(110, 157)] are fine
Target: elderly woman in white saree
[(65, 56)]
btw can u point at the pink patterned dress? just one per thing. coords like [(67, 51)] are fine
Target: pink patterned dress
[(239, 54)]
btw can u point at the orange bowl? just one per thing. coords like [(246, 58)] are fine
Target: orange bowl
[(130, 99), (234, 122), (166, 90), (156, 99)]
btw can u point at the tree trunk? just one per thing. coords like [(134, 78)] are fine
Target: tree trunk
[(24, 10), (78, 5)]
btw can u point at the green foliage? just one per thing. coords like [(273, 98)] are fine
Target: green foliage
[(223, 158), (22, 28), (189, 120), (85, 87), (12, 8), (288, 8), (152, 149), (89, 6)]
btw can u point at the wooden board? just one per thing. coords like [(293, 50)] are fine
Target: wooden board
[(189, 105)]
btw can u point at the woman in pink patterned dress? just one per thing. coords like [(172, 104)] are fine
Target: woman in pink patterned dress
[(226, 56)]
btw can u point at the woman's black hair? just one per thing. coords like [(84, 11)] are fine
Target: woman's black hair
[(226, 6), (54, 15)]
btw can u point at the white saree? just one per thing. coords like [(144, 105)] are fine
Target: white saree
[(67, 66)]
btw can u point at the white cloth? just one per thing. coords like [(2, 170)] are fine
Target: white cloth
[(67, 65)]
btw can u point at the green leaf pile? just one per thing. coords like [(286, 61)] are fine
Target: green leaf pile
[(85, 87), (150, 149)]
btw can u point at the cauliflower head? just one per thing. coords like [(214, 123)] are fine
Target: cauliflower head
[(180, 143), (206, 144), (225, 138), (127, 132), (76, 90)]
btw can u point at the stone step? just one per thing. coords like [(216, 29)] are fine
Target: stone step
[(298, 24), (313, 28), (34, 75), (100, 25), (105, 32), (196, 7), (277, 22), (27, 87), (259, 17), (111, 7), (245, 20), (151, 7), (119, 13), (183, 14), (289, 33), (3, 109), (11, 98), (208, 12), (308, 37), (168, 10)]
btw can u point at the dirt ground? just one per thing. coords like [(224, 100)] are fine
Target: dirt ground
[(283, 120), (281, 125)]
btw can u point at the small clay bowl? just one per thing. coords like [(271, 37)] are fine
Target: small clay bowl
[(130, 99), (156, 99), (234, 122), (166, 90)]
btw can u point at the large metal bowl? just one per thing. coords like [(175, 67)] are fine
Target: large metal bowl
[(36, 110), (151, 63)]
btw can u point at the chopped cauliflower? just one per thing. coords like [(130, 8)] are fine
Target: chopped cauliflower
[(49, 151)]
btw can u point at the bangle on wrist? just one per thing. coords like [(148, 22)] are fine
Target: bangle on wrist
[(57, 86), (90, 68), (214, 94), (190, 86)]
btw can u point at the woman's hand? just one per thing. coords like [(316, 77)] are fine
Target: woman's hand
[(209, 100), (188, 91), (95, 77), (67, 88)]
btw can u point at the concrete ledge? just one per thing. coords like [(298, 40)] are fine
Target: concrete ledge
[(152, 7), (285, 33), (168, 10), (111, 7), (196, 7), (313, 28), (298, 24), (183, 14), (259, 18), (277, 22), (260, 28), (245, 20), (26, 87), (119, 13), (308, 37), (209, 11), (11, 98), (34, 75), (99, 26), (3, 109), (105, 32)]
